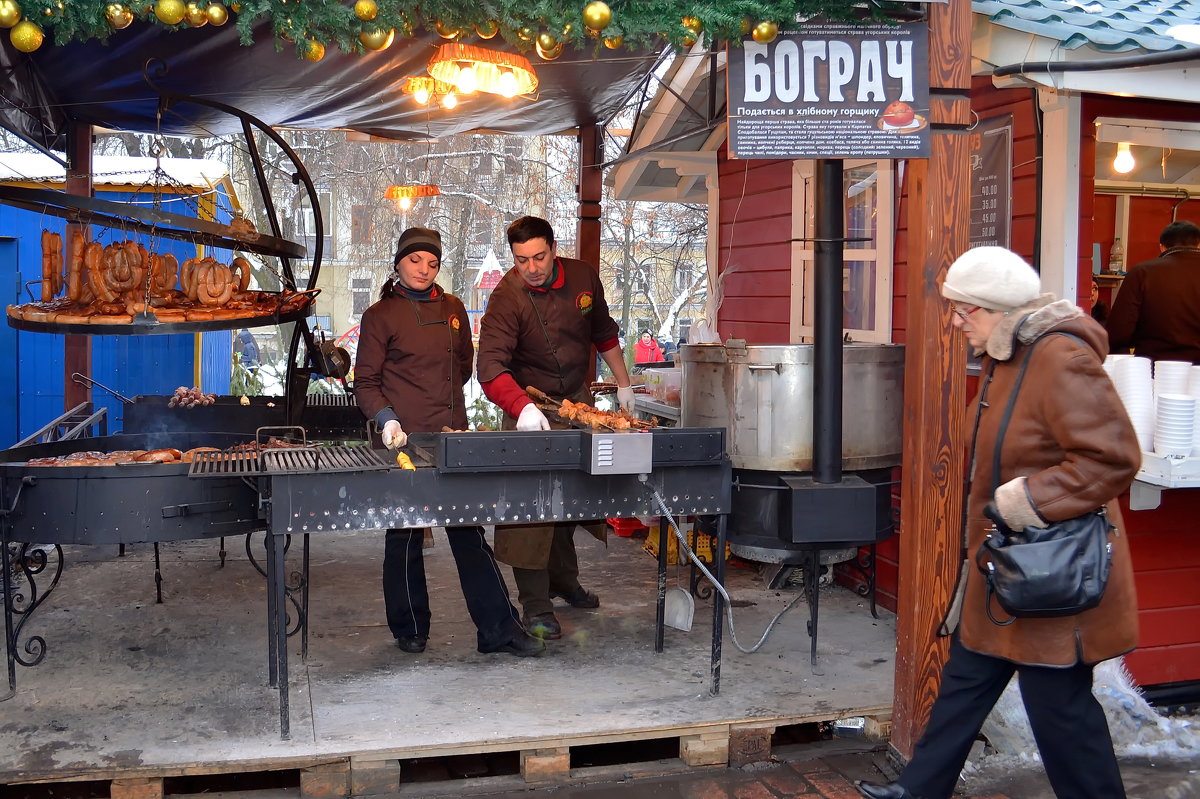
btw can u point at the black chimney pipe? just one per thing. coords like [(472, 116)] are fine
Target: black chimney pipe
[(827, 323)]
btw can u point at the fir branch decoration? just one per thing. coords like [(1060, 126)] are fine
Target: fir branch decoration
[(636, 24)]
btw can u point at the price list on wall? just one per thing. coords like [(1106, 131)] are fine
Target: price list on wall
[(991, 182)]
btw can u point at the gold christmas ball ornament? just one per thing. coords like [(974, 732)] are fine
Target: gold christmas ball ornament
[(693, 24), (235, 8), (525, 34), (55, 9), (366, 10), (10, 13), (195, 15), (546, 42), (688, 40), (746, 25), (765, 32), (488, 29), (26, 36), (548, 53), (315, 51), (119, 17), (447, 31), (597, 15), (217, 14), (614, 42), (170, 12), (377, 39)]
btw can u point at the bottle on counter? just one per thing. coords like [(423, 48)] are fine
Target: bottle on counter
[(1116, 257)]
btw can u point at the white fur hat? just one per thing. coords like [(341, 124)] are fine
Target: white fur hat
[(991, 277)]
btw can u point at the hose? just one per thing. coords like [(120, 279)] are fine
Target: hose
[(683, 547)]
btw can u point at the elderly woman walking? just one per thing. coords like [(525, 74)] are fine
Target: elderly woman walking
[(1068, 449)]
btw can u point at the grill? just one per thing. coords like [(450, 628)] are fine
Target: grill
[(286, 460)]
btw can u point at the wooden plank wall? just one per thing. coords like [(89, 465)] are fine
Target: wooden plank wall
[(755, 251)]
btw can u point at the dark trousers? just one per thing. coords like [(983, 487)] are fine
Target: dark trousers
[(561, 575), (1068, 725), (406, 594)]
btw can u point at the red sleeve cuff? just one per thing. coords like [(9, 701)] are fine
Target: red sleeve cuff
[(607, 344), (505, 392)]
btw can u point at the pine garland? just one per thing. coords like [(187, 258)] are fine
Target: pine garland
[(639, 23)]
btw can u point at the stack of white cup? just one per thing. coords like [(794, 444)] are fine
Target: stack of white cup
[(1132, 377), (1194, 391), (1174, 424)]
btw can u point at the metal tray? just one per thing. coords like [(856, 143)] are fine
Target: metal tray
[(153, 327)]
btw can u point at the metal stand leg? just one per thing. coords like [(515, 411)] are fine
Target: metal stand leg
[(660, 612), (10, 638), (302, 611), (812, 594), (277, 629), (718, 604), (157, 575), (221, 553)]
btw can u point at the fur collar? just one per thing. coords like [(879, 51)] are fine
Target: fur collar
[(1022, 325)]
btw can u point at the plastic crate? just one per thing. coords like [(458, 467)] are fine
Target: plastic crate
[(701, 543), (626, 527)]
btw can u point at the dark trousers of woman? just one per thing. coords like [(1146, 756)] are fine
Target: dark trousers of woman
[(1068, 725), (406, 594), (561, 575)]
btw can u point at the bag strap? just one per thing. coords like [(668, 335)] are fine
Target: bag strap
[(1012, 401)]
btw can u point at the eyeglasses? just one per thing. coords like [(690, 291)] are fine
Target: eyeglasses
[(965, 313)]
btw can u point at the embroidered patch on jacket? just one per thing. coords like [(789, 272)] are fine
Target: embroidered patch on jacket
[(584, 302), (454, 323)]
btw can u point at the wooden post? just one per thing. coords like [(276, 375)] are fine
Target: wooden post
[(934, 380), (77, 350)]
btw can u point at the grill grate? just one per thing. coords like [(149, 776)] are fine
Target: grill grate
[(286, 460), (332, 400)]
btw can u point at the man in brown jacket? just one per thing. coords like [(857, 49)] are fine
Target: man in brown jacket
[(541, 323), (1157, 311)]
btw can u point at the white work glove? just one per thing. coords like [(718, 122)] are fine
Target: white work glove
[(625, 398), (394, 436), (532, 419)]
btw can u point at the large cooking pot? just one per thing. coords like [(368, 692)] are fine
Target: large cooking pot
[(763, 396)]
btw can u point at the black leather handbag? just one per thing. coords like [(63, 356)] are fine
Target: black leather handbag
[(1042, 572)]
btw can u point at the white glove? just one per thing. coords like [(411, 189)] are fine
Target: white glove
[(532, 419), (625, 398), (394, 436)]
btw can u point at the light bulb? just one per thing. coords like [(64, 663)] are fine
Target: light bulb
[(1124, 162), (508, 84), (405, 203), (466, 80), (421, 95), (449, 101)]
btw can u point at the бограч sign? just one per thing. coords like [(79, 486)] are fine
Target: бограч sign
[(831, 91)]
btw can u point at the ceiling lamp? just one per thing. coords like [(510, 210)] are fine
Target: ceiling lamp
[(403, 196), (424, 89), (472, 68), (1124, 162)]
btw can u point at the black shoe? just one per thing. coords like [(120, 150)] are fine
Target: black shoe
[(893, 790), (413, 644), (579, 597), (523, 645), (544, 626)]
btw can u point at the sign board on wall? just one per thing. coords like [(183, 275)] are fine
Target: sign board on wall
[(831, 91), (991, 182)]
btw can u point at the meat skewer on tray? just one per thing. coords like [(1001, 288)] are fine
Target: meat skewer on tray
[(582, 413)]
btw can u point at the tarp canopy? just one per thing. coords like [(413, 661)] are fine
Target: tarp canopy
[(103, 84)]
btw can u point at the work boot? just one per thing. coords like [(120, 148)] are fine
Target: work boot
[(412, 644), (893, 790), (579, 597), (523, 645), (544, 626)]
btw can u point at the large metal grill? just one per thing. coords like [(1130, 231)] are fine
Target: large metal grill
[(287, 460)]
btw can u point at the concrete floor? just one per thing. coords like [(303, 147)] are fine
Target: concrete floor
[(129, 687)]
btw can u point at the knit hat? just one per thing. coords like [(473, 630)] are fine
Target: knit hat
[(418, 239), (991, 277)]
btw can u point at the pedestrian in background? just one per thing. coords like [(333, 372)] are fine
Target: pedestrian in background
[(647, 350), (1068, 449)]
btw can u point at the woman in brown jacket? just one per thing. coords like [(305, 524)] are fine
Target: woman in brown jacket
[(1069, 449), (414, 355)]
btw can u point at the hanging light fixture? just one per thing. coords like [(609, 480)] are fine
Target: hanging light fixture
[(424, 89), (471, 68), (1124, 162), (403, 196)]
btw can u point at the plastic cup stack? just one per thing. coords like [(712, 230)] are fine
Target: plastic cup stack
[(1174, 425), (1194, 391), (1171, 377), (1132, 377)]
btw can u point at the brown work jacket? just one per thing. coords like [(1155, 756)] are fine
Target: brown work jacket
[(415, 355), (1157, 309), (1072, 441)]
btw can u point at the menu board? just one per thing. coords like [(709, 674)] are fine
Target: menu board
[(831, 91), (991, 182)]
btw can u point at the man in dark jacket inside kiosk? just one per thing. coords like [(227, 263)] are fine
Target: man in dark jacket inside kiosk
[(541, 323)]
